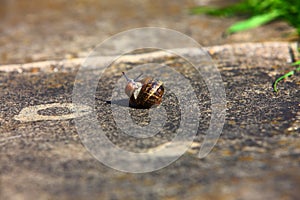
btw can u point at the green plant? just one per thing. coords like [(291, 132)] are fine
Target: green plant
[(259, 12), (290, 73)]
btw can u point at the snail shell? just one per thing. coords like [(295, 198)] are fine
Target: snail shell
[(144, 93)]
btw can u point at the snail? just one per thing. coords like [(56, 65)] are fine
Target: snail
[(144, 93)]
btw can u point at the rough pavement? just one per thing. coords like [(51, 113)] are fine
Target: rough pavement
[(256, 157)]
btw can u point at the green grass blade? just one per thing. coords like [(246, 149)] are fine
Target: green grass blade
[(206, 10), (280, 78), (239, 8), (290, 73), (253, 22), (296, 63)]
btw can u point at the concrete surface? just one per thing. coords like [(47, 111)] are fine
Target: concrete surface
[(42, 45), (57, 29), (256, 157)]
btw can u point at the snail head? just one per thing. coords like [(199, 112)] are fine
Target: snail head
[(132, 85)]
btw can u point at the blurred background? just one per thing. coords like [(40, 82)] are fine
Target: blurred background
[(60, 29)]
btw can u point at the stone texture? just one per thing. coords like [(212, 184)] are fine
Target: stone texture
[(256, 157), (42, 45)]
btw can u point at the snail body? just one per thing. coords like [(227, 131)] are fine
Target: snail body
[(144, 93)]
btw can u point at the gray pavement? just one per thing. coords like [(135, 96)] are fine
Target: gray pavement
[(42, 154), (256, 157)]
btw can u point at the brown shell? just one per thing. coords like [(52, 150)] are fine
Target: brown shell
[(150, 95)]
